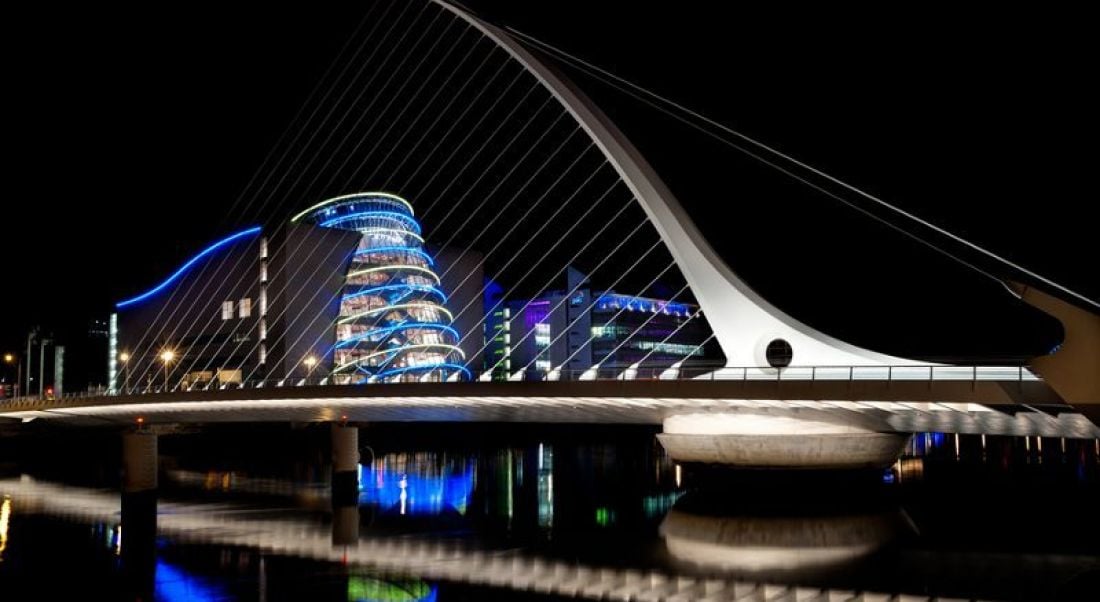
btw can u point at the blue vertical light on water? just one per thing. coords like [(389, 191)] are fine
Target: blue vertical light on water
[(546, 485), (418, 489)]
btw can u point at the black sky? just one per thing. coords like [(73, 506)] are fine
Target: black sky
[(130, 134)]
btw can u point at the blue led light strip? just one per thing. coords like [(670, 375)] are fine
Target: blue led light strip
[(388, 329), (394, 351), (424, 288), (175, 276), (401, 217), (412, 250)]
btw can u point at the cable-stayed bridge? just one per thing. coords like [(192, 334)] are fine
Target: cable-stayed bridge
[(451, 230)]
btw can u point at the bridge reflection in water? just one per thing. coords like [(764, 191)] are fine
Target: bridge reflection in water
[(612, 522)]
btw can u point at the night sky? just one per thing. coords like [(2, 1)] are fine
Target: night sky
[(127, 145)]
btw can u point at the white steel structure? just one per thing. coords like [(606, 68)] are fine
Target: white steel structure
[(744, 323)]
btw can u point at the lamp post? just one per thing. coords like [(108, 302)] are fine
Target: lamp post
[(42, 366), (31, 336), (124, 359), (310, 362), (11, 358), (167, 356)]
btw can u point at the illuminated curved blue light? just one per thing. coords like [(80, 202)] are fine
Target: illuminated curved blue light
[(434, 366), (411, 221), (175, 276), (426, 288), (388, 329), (412, 250)]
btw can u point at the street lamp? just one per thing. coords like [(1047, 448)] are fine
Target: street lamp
[(11, 358), (124, 358), (167, 356), (310, 362)]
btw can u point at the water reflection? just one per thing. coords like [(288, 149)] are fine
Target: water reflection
[(175, 584), (769, 539), (370, 589), (419, 483), (579, 519), (546, 485), (5, 520)]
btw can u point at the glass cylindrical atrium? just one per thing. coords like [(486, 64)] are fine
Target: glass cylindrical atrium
[(393, 325)]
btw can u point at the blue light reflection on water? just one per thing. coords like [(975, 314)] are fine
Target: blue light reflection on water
[(174, 584), (417, 488)]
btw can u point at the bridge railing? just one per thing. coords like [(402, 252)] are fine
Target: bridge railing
[(928, 373)]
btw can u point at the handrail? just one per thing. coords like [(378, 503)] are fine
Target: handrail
[(907, 373)]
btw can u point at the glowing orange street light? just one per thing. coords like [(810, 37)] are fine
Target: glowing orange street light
[(167, 356)]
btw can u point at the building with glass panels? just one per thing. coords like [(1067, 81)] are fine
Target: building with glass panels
[(563, 333), (346, 291), (393, 323)]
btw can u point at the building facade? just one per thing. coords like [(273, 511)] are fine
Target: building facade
[(562, 334), (393, 323), (346, 291)]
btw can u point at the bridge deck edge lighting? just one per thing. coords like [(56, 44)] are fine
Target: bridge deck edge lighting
[(186, 266)]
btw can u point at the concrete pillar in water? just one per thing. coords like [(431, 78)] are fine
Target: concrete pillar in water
[(345, 484), (139, 462), (139, 512)]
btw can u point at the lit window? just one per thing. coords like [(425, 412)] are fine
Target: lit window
[(543, 365), (263, 271), (542, 334), (245, 308), (227, 310)]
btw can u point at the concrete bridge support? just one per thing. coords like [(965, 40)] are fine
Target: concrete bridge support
[(345, 484), (139, 512), (793, 439)]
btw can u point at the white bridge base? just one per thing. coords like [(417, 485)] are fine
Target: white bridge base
[(768, 441)]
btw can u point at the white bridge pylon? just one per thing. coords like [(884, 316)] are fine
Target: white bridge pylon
[(743, 322)]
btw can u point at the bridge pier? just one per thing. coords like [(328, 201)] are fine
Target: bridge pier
[(345, 462), (139, 462), (786, 440), (139, 512), (345, 484)]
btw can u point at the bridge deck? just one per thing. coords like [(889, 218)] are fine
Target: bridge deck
[(942, 406)]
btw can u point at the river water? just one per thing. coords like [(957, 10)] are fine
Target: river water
[(492, 512)]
